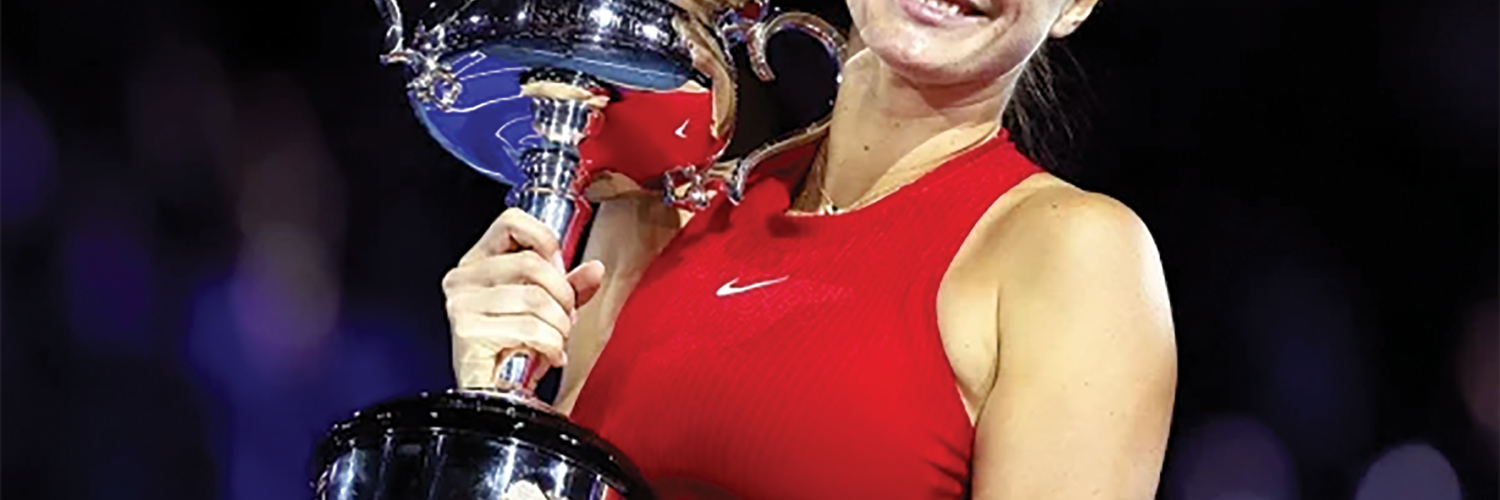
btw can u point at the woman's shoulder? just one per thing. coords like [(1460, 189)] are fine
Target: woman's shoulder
[(1046, 250), (1057, 250), (1064, 210), (1046, 221)]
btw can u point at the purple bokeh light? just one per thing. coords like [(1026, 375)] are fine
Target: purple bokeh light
[(1414, 471), (1232, 457), (1479, 369), (108, 270), (26, 156), (1299, 324)]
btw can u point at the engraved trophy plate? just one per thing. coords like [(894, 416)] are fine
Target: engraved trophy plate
[(568, 102)]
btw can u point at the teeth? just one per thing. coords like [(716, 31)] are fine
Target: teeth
[(941, 6)]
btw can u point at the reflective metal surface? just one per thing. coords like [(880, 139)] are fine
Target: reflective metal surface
[(669, 111), (428, 448), (626, 42), (546, 95), (560, 119)]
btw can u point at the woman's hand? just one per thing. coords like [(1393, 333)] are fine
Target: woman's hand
[(510, 291)]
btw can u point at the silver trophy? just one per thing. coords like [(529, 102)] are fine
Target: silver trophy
[(569, 102)]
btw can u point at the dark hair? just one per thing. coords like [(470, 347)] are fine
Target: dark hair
[(1040, 126)]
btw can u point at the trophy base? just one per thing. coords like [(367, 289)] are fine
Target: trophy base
[(470, 444)]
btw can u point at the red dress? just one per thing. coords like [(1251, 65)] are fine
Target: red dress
[(767, 356)]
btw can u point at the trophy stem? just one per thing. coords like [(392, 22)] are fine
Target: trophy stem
[(552, 191), (551, 194)]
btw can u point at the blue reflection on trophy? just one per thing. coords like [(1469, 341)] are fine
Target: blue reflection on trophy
[(489, 124)]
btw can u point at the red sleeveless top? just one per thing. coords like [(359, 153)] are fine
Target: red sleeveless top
[(767, 356)]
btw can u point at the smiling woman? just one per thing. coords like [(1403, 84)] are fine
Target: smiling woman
[(907, 307)]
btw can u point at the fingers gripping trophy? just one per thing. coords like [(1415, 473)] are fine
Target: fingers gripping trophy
[(569, 102)]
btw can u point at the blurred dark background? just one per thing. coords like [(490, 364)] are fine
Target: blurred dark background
[(223, 230)]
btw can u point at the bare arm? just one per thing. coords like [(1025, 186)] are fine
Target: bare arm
[(1087, 361), (627, 233)]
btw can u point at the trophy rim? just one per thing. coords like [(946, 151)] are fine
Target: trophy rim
[(475, 25), (490, 415)]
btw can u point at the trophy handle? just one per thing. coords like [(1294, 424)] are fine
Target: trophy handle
[(687, 188), (390, 12), (760, 33), (433, 81), (748, 25)]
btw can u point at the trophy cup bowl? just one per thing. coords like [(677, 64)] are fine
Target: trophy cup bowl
[(569, 102)]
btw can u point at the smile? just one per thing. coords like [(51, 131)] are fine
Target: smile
[(941, 12)]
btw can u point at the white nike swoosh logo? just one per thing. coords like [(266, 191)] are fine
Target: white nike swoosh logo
[(682, 131), (729, 288)]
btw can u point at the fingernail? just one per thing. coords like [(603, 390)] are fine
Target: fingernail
[(557, 260)]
